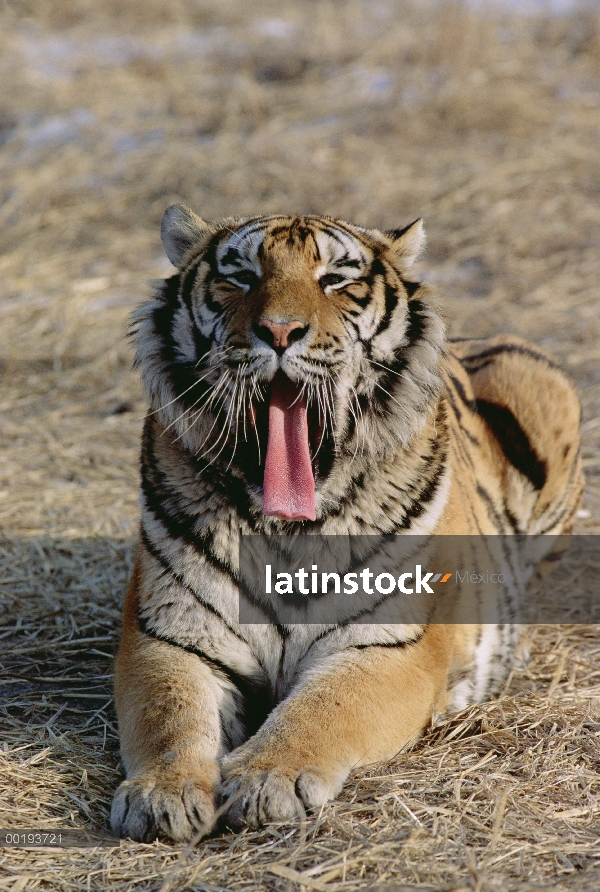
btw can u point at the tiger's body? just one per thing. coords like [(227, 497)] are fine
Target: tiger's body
[(404, 433)]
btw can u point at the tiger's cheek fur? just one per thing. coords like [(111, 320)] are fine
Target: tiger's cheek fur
[(421, 436)]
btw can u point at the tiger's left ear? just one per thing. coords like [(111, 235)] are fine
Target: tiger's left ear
[(407, 243)]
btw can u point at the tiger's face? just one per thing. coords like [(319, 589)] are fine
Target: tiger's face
[(288, 345)]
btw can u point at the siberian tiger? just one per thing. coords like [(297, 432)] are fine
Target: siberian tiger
[(299, 380)]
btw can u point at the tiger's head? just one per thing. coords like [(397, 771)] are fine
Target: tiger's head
[(290, 351)]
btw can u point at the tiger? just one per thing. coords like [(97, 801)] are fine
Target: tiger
[(300, 381)]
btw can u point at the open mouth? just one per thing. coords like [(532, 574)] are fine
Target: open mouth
[(294, 447)]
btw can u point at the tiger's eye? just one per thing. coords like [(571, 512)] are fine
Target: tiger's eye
[(331, 279), (244, 277)]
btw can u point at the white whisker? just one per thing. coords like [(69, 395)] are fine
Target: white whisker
[(322, 416), (224, 434), (237, 413), (331, 408), (218, 386), (353, 413), (387, 393), (217, 356), (193, 406), (255, 390), (401, 374)]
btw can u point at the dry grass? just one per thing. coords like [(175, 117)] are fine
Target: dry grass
[(377, 112)]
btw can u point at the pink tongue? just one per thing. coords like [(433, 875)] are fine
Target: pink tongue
[(289, 485)]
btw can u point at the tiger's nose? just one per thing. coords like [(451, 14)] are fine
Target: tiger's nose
[(280, 335)]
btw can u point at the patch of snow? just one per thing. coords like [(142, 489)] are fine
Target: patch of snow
[(277, 28)]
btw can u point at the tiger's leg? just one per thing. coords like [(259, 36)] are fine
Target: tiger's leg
[(169, 705), (365, 706)]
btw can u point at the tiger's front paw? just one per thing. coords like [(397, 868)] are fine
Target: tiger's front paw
[(147, 807), (256, 798)]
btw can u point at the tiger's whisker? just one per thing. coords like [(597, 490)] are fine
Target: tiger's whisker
[(255, 390), (322, 415), (193, 406), (224, 434), (244, 393), (356, 399), (400, 374), (387, 393), (217, 356), (205, 397), (218, 386), (237, 415), (331, 407)]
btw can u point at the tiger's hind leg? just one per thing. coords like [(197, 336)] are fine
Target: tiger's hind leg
[(533, 414)]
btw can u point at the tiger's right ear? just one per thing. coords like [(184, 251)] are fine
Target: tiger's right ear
[(407, 243), (180, 229)]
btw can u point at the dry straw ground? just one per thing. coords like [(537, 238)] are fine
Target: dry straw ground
[(379, 112)]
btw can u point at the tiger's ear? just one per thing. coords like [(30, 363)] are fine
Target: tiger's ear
[(407, 243), (180, 229)]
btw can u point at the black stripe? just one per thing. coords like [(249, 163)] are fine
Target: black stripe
[(562, 517), (492, 508), (417, 500), (276, 231), (158, 556), (360, 301), (417, 321), (344, 262), (183, 285), (411, 287), (213, 305), (458, 416), (232, 487), (300, 231), (474, 368), (391, 302), (466, 500), (249, 227), (330, 231), (425, 496), (558, 513), (500, 526), (388, 643), (187, 285), (231, 257), (512, 519), (180, 374), (510, 348), (180, 525), (514, 442), (327, 632), (467, 401)]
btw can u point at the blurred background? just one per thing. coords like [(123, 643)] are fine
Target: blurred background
[(482, 118)]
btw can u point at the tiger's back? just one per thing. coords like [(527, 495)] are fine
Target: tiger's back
[(300, 382)]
